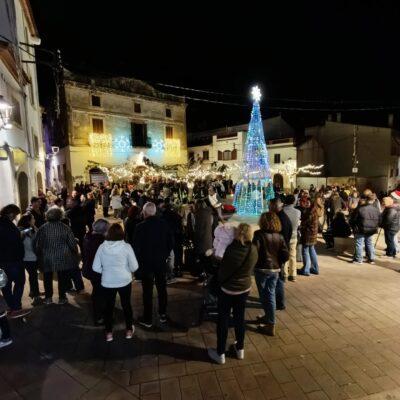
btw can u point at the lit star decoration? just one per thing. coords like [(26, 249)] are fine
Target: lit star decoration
[(254, 189)]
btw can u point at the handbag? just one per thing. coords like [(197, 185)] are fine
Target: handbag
[(3, 279)]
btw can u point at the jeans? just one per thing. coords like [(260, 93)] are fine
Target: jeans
[(226, 303), (125, 296), (148, 280), (32, 269), (359, 240), (310, 260), (390, 243), (280, 292), (14, 289), (266, 285), (63, 277)]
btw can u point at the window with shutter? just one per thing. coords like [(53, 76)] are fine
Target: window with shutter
[(169, 132), (98, 125), (234, 154), (138, 108), (168, 113), (220, 155), (96, 101), (139, 135), (206, 155)]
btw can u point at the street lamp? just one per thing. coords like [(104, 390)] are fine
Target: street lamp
[(5, 114)]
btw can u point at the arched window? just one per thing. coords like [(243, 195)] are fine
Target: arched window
[(23, 191)]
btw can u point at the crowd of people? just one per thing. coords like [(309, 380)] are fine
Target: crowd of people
[(154, 235)]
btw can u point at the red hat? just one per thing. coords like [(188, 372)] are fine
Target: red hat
[(396, 195)]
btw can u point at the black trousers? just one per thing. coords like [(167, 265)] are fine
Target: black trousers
[(226, 303), (98, 301), (148, 280), (105, 212), (125, 296), (32, 269), (75, 279), (63, 277), (5, 327)]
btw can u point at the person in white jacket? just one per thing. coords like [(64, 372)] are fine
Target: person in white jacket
[(115, 260)]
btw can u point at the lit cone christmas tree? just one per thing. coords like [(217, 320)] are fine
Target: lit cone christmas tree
[(254, 189)]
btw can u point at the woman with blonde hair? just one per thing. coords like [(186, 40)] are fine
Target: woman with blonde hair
[(116, 201), (234, 277), (272, 254)]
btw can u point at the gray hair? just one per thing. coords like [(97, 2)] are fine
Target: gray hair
[(149, 209), (100, 226), (54, 214)]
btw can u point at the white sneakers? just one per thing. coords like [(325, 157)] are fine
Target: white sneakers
[(213, 354), (220, 358), (5, 342)]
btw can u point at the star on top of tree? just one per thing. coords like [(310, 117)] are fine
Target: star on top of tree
[(256, 93)]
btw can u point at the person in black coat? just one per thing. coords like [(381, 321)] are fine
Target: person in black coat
[(89, 209), (276, 206), (130, 223), (36, 210), (152, 243), (390, 224), (11, 260), (91, 243)]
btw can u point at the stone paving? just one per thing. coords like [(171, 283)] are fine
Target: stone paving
[(339, 338)]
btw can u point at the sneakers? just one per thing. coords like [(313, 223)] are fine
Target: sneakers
[(239, 353), (372, 262), (292, 278), (62, 301), (218, 358), (48, 301), (18, 314), (356, 262), (109, 337), (129, 333), (144, 323), (172, 280), (5, 342), (164, 318)]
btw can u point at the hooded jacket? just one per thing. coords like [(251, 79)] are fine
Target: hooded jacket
[(115, 261)]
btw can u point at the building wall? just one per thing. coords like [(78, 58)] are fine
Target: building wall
[(22, 144), (332, 145), (117, 113)]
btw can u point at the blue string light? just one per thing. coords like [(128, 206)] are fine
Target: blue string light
[(254, 189)]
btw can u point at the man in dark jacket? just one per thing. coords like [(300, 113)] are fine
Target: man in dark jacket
[(365, 222), (153, 242), (36, 210), (276, 206), (11, 260), (390, 224)]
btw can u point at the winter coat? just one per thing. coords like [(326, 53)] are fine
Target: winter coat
[(340, 227), (152, 242), (90, 209), (130, 226), (56, 247), (365, 220), (91, 243), (105, 198), (223, 237), (287, 229), (309, 227), (391, 219), (272, 250), (234, 273), (116, 262), (294, 216), (39, 217), (202, 240), (11, 245), (77, 217)]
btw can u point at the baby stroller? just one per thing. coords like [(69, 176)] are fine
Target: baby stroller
[(209, 307)]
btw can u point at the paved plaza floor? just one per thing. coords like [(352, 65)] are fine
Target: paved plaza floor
[(339, 338)]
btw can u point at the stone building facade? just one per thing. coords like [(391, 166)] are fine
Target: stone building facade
[(111, 121), (22, 154)]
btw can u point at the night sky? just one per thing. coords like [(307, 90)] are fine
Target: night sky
[(304, 50)]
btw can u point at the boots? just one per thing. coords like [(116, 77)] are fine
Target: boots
[(267, 329)]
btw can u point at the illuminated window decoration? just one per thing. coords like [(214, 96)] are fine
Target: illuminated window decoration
[(254, 189), (158, 144), (100, 143), (122, 144), (173, 147)]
